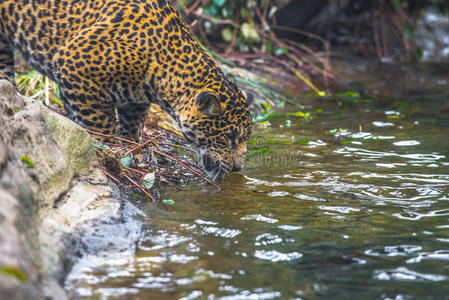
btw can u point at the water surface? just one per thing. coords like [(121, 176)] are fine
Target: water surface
[(353, 204)]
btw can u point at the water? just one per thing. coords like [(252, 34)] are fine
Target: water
[(353, 204)]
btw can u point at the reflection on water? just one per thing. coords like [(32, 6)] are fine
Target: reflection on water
[(354, 207)]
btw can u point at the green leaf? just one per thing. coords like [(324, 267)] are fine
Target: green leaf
[(244, 13), (280, 51), (219, 3), (264, 124), (265, 106), (98, 144), (126, 161), (211, 10), (348, 94), (249, 32), (305, 115), (227, 12), (303, 141), (226, 34), (148, 180), (268, 46), (299, 114), (408, 31), (168, 201), (393, 117), (135, 195), (27, 161)]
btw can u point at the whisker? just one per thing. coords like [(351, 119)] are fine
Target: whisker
[(211, 175), (217, 173)]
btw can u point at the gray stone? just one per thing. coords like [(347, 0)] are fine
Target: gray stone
[(52, 195)]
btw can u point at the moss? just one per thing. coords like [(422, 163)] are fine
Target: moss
[(13, 272), (27, 161)]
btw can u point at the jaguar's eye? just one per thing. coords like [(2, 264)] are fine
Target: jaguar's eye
[(231, 140), (230, 136)]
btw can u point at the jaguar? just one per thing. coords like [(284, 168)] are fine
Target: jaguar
[(113, 58)]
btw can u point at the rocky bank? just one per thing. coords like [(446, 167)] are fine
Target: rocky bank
[(55, 203)]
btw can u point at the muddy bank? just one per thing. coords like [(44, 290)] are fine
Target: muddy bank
[(56, 203)]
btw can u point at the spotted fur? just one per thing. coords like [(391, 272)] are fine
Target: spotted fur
[(125, 55)]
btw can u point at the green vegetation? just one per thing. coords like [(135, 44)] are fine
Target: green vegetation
[(13, 272), (27, 161), (239, 31), (37, 86)]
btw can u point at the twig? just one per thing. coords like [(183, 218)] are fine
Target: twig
[(187, 167), (376, 36), (56, 110), (112, 137), (231, 44), (193, 7), (140, 188), (179, 146), (110, 175), (141, 145), (308, 34)]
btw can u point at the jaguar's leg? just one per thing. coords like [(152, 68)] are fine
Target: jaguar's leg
[(84, 91), (6, 61), (131, 119), (88, 108)]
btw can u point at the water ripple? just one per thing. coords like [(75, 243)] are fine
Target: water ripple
[(349, 151), (428, 178), (382, 124), (404, 274), (162, 239), (222, 232), (278, 194), (276, 256), (260, 218), (411, 215), (290, 227), (437, 255), (309, 198), (248, 295), (406, 143), (340, 209), (267, 239), (399, 250)]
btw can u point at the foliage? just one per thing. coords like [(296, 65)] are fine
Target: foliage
[(37, 86), (377, 28), (240, 31)]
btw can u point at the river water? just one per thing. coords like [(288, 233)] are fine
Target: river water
[(352, 204)]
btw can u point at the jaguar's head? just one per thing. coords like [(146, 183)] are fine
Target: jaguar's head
[(218, 123)]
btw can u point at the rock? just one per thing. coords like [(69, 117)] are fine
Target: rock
[(52, 194)]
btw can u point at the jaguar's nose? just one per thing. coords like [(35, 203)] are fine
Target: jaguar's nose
[(238, 164), (236, 168)]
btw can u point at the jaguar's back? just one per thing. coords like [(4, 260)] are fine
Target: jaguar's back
[(36, 29)]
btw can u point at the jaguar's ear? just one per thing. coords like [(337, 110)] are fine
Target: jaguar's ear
[(248, 96), (208, 104)]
